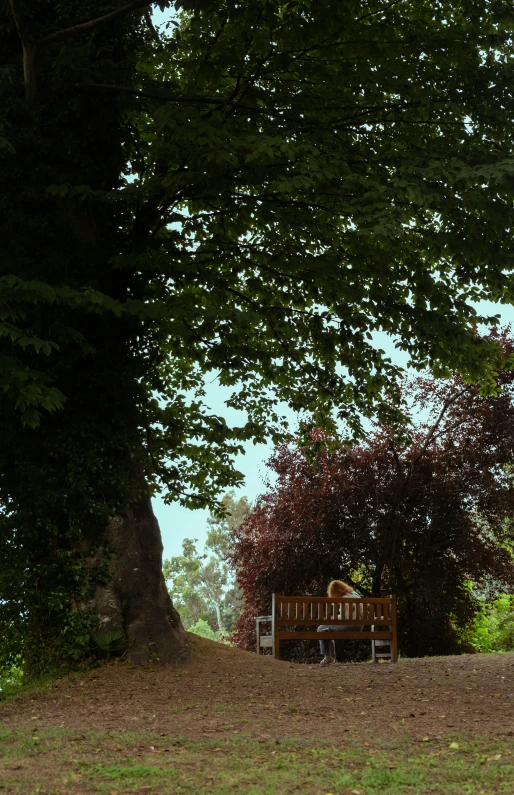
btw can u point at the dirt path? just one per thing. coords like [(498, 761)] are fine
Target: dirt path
[(224, 691)]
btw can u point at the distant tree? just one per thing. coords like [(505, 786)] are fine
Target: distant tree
[(183, 574), (417, 513), (202, 585), (224, 524)]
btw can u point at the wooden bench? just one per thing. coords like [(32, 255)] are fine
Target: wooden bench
[(288, 612)]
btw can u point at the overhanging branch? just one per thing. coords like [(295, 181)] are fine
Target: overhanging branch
[(430, 436), (151, 26), (92, 23), (29, 46), (164, 96)]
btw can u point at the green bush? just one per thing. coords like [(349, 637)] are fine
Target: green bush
[(10, 679), (493, 628), (203, 629)]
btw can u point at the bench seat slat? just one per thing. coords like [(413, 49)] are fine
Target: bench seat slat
[(340, 622), (335, 635)]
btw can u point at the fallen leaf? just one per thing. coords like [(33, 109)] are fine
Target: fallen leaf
[(494, 758)]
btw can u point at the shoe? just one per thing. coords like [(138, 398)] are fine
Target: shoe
[(328, 661)]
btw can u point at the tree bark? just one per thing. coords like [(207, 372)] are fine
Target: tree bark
[(136, 601), (217, 608)]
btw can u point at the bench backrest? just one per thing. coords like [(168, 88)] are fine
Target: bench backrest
[(298, 610)]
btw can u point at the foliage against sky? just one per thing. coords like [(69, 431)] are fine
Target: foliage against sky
[(305, 174)]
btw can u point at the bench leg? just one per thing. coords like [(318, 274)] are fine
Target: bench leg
[(394, 649), (276, 648)]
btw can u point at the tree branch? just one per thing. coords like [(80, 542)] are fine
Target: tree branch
[(392, 447), (164, 96), (92, 23), (435, 426), (151, 26), (29, 46)]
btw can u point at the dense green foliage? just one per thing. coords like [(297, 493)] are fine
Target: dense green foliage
[(247, 197), (493, 628)]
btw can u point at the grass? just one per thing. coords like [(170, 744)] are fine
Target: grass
[(114, 763)]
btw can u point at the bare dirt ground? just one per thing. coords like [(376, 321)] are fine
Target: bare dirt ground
[(224, 692)]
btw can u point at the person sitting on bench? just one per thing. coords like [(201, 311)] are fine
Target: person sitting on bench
[(337, 590)]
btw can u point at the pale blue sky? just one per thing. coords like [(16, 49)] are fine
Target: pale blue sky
[(178, 523)]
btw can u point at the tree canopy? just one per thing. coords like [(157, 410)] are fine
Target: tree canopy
[(247, 194)]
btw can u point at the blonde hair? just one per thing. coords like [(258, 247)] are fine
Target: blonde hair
[(338, 588)]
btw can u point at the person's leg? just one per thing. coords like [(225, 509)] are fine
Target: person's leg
[(327, 647), (324, 645)]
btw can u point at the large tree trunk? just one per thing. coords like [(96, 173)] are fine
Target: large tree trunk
[(60, 479), (136, 601)]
